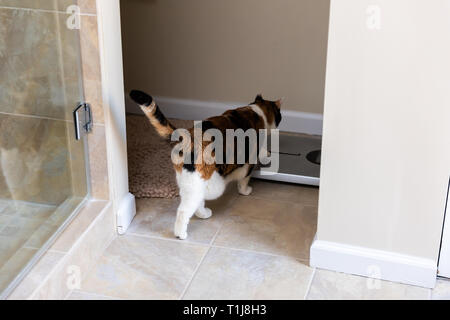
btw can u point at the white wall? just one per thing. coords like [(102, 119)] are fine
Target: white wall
[(386, 147)]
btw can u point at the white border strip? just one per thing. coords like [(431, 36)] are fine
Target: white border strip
[(373, 263), (444, 253), (293, 121), (110, 47), (126, 213)]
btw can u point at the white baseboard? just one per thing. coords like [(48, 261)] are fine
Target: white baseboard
[(293, 121), (373, 263), (126, 213)]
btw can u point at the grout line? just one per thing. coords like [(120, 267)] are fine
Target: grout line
[(56, 251), (47, 11), (68, 294), (25, 246), (188, 242), (212, 245), (34, 116), (262, 252), (194, 274), (315, 204), (199, 265), (308, 289), (94, 294), (27, 203)]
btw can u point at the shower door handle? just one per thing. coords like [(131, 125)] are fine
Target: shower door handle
[(82, 118)]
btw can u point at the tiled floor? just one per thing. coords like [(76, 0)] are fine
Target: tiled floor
[(254, 247), (18, 222)]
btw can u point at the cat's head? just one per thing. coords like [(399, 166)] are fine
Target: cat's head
[(272, 110)]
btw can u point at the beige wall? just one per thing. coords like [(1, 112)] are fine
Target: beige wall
[(228, 50), (386, 156)]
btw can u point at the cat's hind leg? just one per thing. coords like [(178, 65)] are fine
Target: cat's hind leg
[(243, 187), (203, 212), (192, 193)]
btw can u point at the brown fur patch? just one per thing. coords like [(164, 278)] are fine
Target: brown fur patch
[(157, 119)]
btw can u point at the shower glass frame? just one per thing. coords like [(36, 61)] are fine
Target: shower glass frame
[(81, 200)]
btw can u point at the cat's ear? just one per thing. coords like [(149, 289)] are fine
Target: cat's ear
[(279, 102), (259, 98)]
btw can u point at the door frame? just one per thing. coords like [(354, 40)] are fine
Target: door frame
[(113, 94)]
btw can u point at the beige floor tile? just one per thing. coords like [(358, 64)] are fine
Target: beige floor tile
[(134, 267), (14, 235), (237, 274), (280, 228), (328, 285), (4, 220), (80, 295), (299, 194), (36, 276), (14, 265), (442, 290), (156, 217)]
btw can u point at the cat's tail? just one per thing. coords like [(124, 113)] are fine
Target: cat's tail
[(153, 113)]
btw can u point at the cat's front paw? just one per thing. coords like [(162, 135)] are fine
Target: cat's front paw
[(245, 191)]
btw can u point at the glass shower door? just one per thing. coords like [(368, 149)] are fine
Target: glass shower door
[(43, 177)]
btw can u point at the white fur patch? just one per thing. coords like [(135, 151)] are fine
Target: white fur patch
[(257, 109), (215, 186), (148, 109)]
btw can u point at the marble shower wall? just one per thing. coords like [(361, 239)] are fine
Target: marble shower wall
[(42, 68)]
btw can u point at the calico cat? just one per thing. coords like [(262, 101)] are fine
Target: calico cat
[(200, 178)]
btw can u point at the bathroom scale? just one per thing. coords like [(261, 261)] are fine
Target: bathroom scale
[(299, 159)]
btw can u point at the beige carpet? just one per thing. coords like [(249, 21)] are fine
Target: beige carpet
[(151, 174)]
